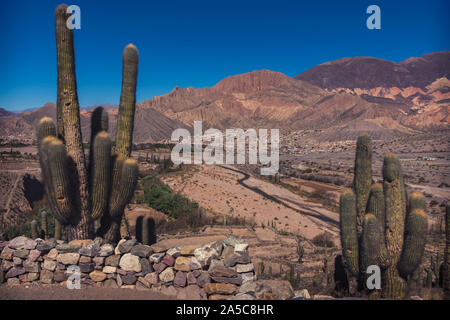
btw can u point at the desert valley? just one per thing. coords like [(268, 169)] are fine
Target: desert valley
[(290, 220)]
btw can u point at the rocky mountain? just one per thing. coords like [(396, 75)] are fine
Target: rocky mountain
[(370, 73), (268, 99), (341, 98), (255, 99), (421, 85), (150, 125)]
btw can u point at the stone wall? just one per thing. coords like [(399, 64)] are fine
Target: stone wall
[(218, 270)]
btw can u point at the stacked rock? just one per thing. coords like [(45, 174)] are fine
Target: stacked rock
[(217, 270)]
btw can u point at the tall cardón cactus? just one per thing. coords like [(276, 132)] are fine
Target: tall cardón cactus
[(81, 195), (392, 232)]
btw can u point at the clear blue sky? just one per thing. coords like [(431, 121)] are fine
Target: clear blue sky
[(198, 43)]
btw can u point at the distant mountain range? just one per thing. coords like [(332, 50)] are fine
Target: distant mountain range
[(342, 97), (370, 73), (150, 125), (4, 112)]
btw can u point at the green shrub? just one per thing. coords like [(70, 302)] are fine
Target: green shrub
[(162, 198), (324, 239)]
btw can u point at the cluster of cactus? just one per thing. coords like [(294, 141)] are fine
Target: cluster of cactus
[(437, 269), (146, 230), (317, 279), (293, 277), (379, 226), (42, 230), (82, 196), (340, 277), (275, 178), (272, 224), (326, 271), (260, 269)]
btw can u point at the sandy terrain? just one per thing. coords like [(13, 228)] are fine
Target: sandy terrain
[(218, 189)]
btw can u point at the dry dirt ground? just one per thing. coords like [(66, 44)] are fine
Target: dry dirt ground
[(227, 191)]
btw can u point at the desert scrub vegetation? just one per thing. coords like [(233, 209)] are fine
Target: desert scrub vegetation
[(324, 240), (160, 197), (43, 220)]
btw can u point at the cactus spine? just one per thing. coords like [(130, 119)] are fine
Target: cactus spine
[(389, 238), (79, 195)]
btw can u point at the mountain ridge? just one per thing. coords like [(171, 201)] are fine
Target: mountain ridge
[(271, 99)]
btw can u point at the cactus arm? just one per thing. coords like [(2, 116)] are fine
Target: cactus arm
[(416, 202), (349, 237), (395, 224), (362, 179), (372, 242), (60, 180), (46, 127), (99, 122), (54, 169), (394, 207), (46, 131), (125, 121), (128, 179), (100, 174), (375, 204), (124, 136), (414, 243)]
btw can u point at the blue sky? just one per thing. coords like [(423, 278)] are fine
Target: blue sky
[(198, 43)]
